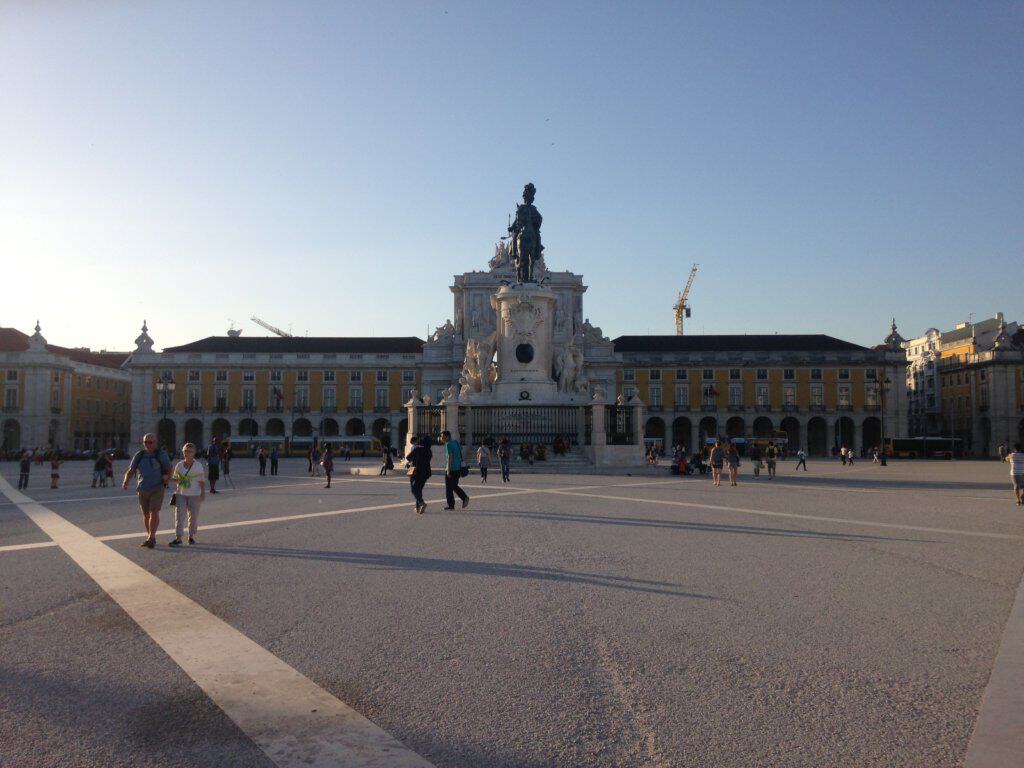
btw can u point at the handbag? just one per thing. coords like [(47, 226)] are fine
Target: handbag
[(464, 472)]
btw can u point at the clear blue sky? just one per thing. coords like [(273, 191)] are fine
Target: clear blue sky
[(329, 167)]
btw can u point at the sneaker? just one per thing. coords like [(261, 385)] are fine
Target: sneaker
[(423, 508), (449, 507), (465, 503), (150, 543), (175, 543), (214, 491), (144, 543), (191, 540)]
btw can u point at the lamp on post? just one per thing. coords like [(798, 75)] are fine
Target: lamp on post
[(165, 386), (885, 388)]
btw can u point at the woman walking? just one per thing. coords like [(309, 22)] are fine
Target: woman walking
[(261, 457), (315, 461), (55, 463), (734, 464), (483, 460), (417, 463), (717, 461), (387, 463), (190, 477), (328, 464)]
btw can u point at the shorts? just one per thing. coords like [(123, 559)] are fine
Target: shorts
[(99, 474), (151, 500), (717, 465), (213, 471), (771, 463), (1017, 480)]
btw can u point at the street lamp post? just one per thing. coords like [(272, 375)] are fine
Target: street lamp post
[(165, 386), (885, 388)]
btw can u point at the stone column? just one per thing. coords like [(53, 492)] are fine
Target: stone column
[(598, 430), (639, 417), (802, 435), (451, 416), (830, 435)]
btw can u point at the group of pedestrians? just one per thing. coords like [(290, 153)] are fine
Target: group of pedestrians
[(419, 457), (262, 456)]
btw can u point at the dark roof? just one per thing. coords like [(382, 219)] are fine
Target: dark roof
[(304, 344), (802, 342), (13, 340)]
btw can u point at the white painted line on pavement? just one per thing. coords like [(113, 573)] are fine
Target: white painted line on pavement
[(816, 518), (998, 737), (295, 722), (36, 545)]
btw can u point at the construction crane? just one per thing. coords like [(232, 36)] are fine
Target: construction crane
[(271, 328), (682, 308)]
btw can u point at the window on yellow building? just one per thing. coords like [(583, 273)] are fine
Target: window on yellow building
[(681, 374), (761, 394), (682, 395), (628, 374), (789, 394), (221, 376), (328, 375), (762, 374), (275, 375), (817, 395), (815, 374), (734, 374), (382, 376), (248, 375), (709, 374), (655, 397), (789, 374), (355, 377), (656, 374), (193, 375), (735, 395)]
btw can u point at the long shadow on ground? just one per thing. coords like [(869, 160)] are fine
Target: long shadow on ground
[(463, 567), (568, 517)]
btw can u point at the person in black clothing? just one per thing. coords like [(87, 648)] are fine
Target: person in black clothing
[(23, 468), (418, 463)]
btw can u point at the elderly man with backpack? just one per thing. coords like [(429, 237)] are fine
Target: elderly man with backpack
[(153, 468)]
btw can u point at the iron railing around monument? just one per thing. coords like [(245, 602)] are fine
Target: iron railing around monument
[(429, 420), (618, 420), (524, 423)]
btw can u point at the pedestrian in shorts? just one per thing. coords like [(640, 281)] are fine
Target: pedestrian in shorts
[(483, 460), (1016, 459), (717, 459), (153, 469), (771, 455)]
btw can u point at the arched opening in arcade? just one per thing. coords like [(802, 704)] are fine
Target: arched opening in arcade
[(871, 433), (708, 427), (763, 427), (354, 427), (221, 429), (382, 431), (844, 432), (735, 427), (194, 432), (167, 436), (791, 427), (403, 433), (248, 428), (302, 428), (329, 427), (654, 433), (682, 429), (985, 435), (817, 437), (275, 428), (11, 435)]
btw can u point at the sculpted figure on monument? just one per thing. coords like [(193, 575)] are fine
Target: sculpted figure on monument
[(525, 231), (569, 368)]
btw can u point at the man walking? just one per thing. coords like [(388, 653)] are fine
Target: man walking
[(453, 471), (274, 456), (261, 457), (801, 457), (213, 464), (505, 459), (23, 469), (153, 469), (1016, 459)]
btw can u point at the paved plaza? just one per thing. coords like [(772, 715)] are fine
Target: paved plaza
[(839, 617)]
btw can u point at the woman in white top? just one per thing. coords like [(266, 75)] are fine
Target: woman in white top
[(190, 476), (483, 459)]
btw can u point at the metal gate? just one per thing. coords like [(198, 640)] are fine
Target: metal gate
[(524, 423)]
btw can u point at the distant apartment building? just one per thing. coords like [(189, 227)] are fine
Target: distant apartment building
[(60, 397), (968, 383)]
